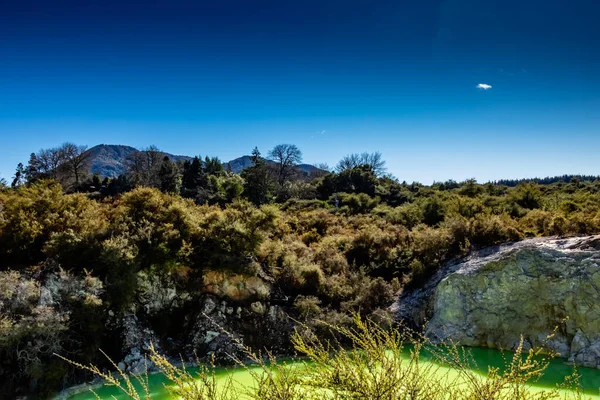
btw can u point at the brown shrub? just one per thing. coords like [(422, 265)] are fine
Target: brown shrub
[(235, 287), (494, 229), (537, 221), (329, 254), (308, 306)]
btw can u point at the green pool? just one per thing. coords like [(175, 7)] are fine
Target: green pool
[(557, 371)]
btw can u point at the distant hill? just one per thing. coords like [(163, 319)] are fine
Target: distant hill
[(110, 160), (310, 169), (241, 163)]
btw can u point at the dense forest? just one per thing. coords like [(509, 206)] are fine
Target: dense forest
[(78, 250), (549, 180)]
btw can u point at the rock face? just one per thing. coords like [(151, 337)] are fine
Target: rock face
[(216, 331), (220, 327), (136, 343), (528, 288)]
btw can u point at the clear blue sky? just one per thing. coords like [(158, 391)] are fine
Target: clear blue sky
[(333, 77)]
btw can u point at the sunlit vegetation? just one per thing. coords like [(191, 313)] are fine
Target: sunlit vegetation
[(326, 247), (377, 363)]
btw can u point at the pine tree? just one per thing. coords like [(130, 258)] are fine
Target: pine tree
[(213, 166), (96, 182), (258, 184), (170, 181), (19, 176), (194, 178), (32, 172)]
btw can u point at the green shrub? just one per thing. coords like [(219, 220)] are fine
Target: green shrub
[(460, 232), (558, 226), (468, 207), (360, 203), (308, 306), (569, 206), (538, 221), (407, 215), (374, 294), (329, 256), (434, 211), (527, 195), (379, 250), (581, 223), (40, 219), (295, 205), (299, 278), (494, 229)]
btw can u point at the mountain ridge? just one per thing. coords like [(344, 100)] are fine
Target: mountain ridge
[(110, 161)]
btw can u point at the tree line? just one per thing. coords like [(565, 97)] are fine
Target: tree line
[(274, 178), (549, 180), (67, 164)]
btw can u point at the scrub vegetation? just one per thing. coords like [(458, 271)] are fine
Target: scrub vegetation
[(373, 365), (324, 247)]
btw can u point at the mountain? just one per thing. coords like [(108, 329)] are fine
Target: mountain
[(308, 169), (241, 163), (110, 160)]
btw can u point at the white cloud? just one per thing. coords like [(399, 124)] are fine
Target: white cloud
[(484, 86)]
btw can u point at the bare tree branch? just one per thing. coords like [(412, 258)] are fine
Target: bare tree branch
[(373, 160), (286, 158)]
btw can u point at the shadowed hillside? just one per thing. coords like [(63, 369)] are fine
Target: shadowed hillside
[(241, 163), (109, 160)]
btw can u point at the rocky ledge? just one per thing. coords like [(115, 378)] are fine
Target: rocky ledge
[(529, 288)]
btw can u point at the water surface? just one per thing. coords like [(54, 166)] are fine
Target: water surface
[(555, 374)]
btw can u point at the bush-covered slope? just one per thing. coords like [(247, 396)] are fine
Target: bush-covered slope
[(74, 271)]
